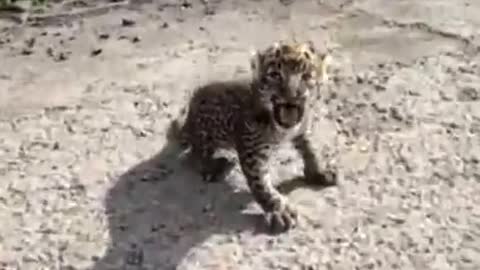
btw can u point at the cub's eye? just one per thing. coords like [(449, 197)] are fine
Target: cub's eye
[(306, 76), (275, 75)]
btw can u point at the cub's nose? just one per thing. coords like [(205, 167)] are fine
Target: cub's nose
[(292, 87)]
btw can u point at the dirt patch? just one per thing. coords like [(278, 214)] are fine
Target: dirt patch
[(87, 89)]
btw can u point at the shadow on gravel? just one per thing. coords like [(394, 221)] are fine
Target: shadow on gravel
[(160, 209)]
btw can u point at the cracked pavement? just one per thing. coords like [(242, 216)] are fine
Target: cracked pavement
[(87, 89)]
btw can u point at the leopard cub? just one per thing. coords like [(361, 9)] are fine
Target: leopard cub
[(253, 118)]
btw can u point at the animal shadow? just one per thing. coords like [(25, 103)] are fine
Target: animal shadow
[(159, 209)]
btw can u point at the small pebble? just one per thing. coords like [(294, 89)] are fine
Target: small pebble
[(128, 22), (207, 208), (61, 57), (209, 11), (103, 36), (186, 4), (49, 51), (56, 146), (96, 52), (380, 87), (395, 114), (135, 40), (30, 42), (26, 52), (360, 79)]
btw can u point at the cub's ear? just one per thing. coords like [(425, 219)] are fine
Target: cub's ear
[(255, 62), (253, 59), (308, 47)]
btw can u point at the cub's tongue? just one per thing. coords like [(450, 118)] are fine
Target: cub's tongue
[(287, 115)]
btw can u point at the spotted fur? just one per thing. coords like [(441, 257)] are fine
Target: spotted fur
[(254, 118)]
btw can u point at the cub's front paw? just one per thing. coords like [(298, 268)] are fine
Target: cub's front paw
[(282, 220)]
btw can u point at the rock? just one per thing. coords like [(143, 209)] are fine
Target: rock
[(26, 52), (360, 79), (104, 36), (128, 22), (61, 57), (135, 39), (96, 52), (186, 4), (30, 42)]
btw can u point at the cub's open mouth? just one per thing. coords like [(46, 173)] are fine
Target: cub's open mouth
[(288, 115)]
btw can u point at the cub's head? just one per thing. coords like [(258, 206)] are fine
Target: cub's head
[(284, 76)]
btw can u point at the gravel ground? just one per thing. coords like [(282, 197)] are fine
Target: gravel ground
[(87, 89)]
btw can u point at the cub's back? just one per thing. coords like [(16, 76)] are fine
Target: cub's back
[(216, 107), (221, 95)]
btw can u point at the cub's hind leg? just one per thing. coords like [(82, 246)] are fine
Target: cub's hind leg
[(213, 167), (216, 169)]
